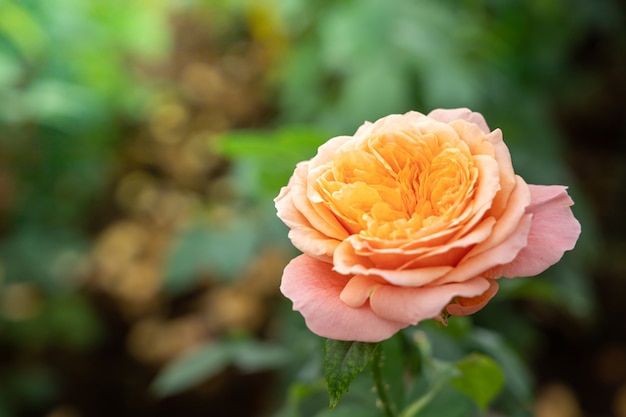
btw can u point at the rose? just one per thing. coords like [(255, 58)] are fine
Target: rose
[(414, 217)]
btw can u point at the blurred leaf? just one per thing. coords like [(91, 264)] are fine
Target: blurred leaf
[(150, 18), (343, 361), (442, 400), (265, 160), (46, 257), (58, 102), (212, 358), (65, 320), (192, 368), (253, 356), (18, 24), (437, 374), (219, 249), (350, 410), (9, 70), (481, 379), (518, 379), (534, 289)]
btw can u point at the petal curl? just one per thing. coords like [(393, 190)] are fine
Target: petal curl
[(347, 262), (315, 289), (358, 290), (509, 221), (553, 231), (301, 233), (412, 305), (464, 306), (484, 261)]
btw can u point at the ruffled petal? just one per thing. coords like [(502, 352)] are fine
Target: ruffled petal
[(315, 289), (358, 290), (502, 254), (463, 306), (301, 233), (553, 231), (412, 305), (348, 263), (450, 115), (509, 220)]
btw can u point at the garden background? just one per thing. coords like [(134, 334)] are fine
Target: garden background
[(141, 144)]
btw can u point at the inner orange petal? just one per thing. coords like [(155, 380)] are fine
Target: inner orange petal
[(400, 186)]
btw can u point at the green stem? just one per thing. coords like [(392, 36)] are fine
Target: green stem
[(381, 389)]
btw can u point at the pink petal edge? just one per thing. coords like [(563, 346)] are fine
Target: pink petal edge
[(412, 305), (553, 230), (465, 306), (314, 288), (462, 113)]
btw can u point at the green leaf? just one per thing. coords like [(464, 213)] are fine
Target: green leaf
[(192, 368), (264, 161), (438, 374), (221, 247), (343, 361), (517, 375), (446, 401), (22, 29), (246, 354), (252, 356), (482, 379)]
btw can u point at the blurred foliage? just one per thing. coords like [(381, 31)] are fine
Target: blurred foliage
[(67, 90), (141, 145), (205, 362)]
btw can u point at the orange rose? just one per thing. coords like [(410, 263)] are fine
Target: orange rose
[(414, 217)]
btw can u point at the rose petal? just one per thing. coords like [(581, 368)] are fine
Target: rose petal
[(484, 261), (348, 263), (464, 306), (302, 234), (509, 221), (507, 175), (390, 123), (315, 289), (358, 290), (553, 231), (449, 115), (318, 216), (479, 234), (412, 305), (488, 182)]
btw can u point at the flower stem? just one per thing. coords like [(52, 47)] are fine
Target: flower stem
[(381, 389)]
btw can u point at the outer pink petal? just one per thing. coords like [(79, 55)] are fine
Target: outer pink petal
[(328, 149), (553, 231), (412, 305), (449, 115), (315, 289), (302, 234), (390, 123)]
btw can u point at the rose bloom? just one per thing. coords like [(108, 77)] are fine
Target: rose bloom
[(414, 217)]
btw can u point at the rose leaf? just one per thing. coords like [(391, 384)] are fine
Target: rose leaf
[(343, 361), (481, 379)]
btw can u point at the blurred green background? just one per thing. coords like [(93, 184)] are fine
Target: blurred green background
[(141, 144)]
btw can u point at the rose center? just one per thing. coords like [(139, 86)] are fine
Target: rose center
[(391, 186)]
